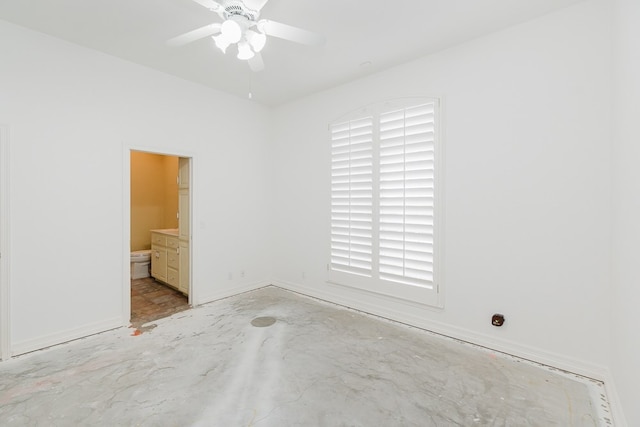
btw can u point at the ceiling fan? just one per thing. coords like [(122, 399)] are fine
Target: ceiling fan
[(242, 27)]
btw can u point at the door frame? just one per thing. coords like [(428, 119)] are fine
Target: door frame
[(126, 221), (5, 316)]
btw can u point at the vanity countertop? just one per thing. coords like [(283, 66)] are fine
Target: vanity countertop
[(167, 231)]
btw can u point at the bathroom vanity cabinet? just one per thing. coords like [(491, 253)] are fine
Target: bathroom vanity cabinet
[(166, 259), (170, 247)]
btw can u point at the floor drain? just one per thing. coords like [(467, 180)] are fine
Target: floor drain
[(262, 322)]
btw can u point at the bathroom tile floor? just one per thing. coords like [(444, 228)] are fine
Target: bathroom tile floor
[(151, 300)]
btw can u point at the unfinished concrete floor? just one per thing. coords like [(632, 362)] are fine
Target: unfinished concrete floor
[(316, 365)]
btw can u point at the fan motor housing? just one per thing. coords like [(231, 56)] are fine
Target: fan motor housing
[(236, 7)]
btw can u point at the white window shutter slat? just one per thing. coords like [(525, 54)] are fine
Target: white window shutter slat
[(352, 196), (407, 195)]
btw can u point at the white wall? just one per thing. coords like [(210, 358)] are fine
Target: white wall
[(625, 319), (526, 116), (73, 115)]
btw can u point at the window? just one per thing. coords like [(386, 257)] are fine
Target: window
[(385, 200)]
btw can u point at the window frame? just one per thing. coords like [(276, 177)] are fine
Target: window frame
[(433, 296)]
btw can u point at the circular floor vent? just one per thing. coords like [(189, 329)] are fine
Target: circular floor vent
[(263, 322)]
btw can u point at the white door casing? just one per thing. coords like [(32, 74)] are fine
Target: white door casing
[(126, 220), (5, 318)]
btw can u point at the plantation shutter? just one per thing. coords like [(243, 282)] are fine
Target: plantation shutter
[(406, 181), (385, 200), (352, 196)]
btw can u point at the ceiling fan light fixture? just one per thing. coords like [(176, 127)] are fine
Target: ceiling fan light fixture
[(244, 51), (240, 26), (256, 40), (231, 31)]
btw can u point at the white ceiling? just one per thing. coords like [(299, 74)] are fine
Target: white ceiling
[(382, 33)]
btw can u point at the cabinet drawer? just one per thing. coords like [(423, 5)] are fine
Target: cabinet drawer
[(158, 239), (172, 277), (172, 242), (173, 259)]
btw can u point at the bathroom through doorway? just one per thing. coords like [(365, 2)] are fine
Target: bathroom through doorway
[(160, 237)]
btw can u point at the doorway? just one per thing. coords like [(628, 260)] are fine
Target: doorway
[(160, 236)]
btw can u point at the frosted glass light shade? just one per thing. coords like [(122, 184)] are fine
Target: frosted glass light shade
[(256, 40), (244, 51), (221, 42), (231, 31)]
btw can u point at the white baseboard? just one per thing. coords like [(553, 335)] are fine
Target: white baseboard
[(43, 342), (228, 292), (65, 336), (392, 309), (619, 419)]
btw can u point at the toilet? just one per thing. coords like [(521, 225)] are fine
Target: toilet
[(140, 264)]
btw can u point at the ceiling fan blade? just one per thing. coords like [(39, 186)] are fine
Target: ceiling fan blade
[(256, 63), (197, 34), (288, 32), (256, 5), (210, 4)]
